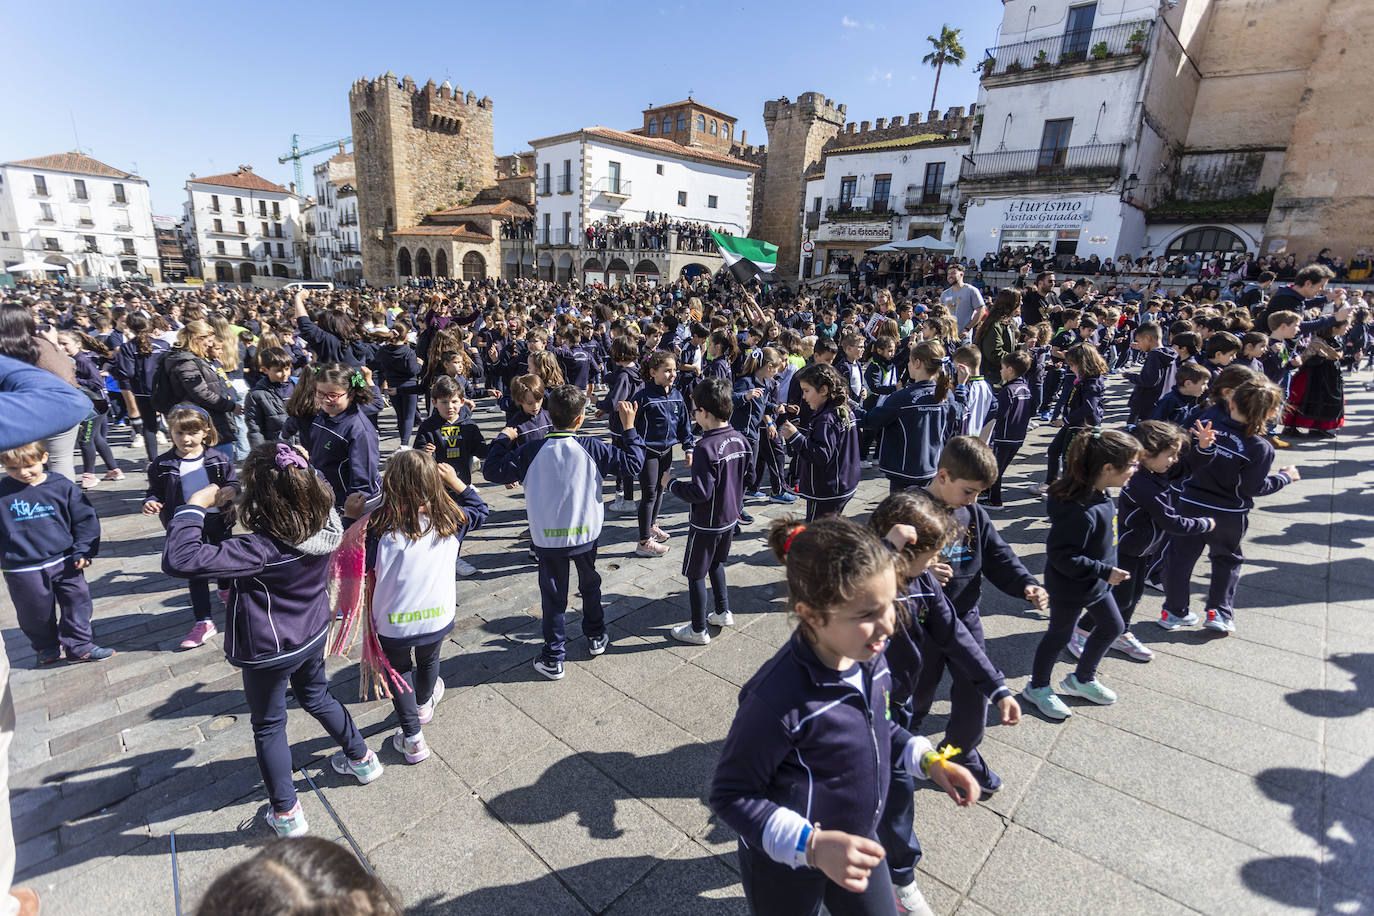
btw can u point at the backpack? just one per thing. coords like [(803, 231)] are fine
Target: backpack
[(164, 393)]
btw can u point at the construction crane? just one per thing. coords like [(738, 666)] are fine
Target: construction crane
[(297, 154)]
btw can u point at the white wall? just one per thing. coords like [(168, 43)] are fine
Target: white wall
[(1032, 20), (557, 204), (1107, 227), (201, 196), (651, 192), (110, 223)]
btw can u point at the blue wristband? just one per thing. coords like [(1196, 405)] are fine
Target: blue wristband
[(802, 840)]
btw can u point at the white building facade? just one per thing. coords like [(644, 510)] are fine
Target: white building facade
[(1079, 105), (868, 194), (603, 177), (84, 217), (241, 225), (336, 247)]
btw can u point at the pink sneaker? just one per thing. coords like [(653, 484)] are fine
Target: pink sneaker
[(651, 548), (113, 474), (658, 534), (202, 631), (89, 481)]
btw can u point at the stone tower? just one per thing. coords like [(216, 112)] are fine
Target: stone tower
[(796, 132), (416, 150)]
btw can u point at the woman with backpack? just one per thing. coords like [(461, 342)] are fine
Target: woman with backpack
[(188, 377)]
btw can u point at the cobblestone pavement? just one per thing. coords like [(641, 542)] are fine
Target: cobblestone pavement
[(1235, 775)]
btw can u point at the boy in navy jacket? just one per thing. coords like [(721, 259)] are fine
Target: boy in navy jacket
[(1015, 407), (48, 534), (1155, 376), (967, 467), (1182, 405), (562, 477), (715, 492)]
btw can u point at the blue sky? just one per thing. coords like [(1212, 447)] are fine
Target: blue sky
[(168, 89)]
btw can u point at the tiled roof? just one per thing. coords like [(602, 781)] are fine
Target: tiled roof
[(507, 208), (458, 232), (243, 179), (894, 143), (79, 163), (694, 104), (668, 148)]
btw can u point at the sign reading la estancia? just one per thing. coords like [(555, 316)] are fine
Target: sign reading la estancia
[(855, 232), (1050, 213)]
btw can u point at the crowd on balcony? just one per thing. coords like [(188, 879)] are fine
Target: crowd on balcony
[(651, 234), (518, 228), (1214, 267)]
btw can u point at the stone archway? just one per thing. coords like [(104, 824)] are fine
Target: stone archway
[(246, 272), (545, 266), (279, 270), (423, 266), (617, 271), (474, 266), (224, 272), (565, 267), (403, 262), (648, 270), (440, 263), (593, 271)]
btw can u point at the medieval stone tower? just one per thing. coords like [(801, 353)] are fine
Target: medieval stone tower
[(796, 132), (416, 150)]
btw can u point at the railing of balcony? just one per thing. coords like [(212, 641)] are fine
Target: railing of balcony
[(612, 186), (860, 206), (813, 219), (559, 236), (564, 184), (920, 199), (1126, 39), (544, 186), (1102, 159)]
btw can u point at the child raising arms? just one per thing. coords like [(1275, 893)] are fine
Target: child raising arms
[(796, 777)]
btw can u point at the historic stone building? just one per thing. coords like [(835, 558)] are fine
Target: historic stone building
[(419, 150)]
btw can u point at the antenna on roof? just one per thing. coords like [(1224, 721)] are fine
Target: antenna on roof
[(75, 134)]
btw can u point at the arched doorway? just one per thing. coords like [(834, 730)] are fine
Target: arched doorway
[(440, 263), (617, 271), (224, 272), (545, 266), (423, 266), (694, 270), (403, 262), (593, 272), (129, 265), (1205, 240), (565, 268), (246, 273), (474, 266), (647, 270), (279, 270)]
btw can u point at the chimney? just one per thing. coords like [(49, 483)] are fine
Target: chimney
[(293, 187), (743, 138), (341, 145)]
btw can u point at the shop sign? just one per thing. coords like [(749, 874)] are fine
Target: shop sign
[(855, 232), (1051, 213)]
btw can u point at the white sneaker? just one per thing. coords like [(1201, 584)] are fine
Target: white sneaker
[(413, 749), (866, 464), (685, 633), (621, 506), (1131, 647), (911, 901), (721, 620), (463, 568), (427, 709)]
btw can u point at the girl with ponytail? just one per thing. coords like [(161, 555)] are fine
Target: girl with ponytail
[(916, 421)]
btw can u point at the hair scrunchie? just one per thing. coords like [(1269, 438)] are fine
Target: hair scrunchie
[(356, 380), (287, 457), (791, 536)]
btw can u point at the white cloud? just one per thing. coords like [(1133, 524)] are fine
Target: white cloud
[(849, 23)]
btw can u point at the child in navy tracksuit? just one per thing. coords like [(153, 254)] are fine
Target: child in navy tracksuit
[(278, 613), (48, 534), (929, 633), (1182, 404), (1082, 407), (1081, 567), (715, 493), (622, 384), (1156, 374), (340, 439), (967, 466), (662, 421), (753, 414), (1222, 483), (1015, 408), (450, 433), (827, 452), (562, 477), (797, 777), (916, 421), (189, 466)]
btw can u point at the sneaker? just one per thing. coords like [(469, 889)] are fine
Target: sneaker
[(290, 824), (784, 497), (658, 534), (200, 632), (596, 645), (756, 495), (551, 670), (620, 506), (97, 654), (726, 619), (1042, 489), (414, 749), (365, 771), (988, 781), (685, 633), (1219, 623), (1131, 647), (1048, 702), (911, 901), (1077, 641), (1276, 442), (1173, 621), (1093, 691), (113, 474), (89, 481), (745, 518), (50, 657), (462, 568), (651, 548), (427, 709)]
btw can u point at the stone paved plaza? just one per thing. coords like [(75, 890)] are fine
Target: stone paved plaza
[(1235, 775)]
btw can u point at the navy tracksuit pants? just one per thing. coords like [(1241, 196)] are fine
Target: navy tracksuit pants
[(819, 508), (773, 889), (1063, 615), (1006, 453), (897, 827), (553, 596), (1223, 544), (968, 707), (704, 557), (38, 594), (418, 663)]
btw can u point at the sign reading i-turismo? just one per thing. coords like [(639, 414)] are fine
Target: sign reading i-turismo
[(854, 232), (1054, 213)]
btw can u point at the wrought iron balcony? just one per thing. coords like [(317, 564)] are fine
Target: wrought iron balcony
[(1126, 39), (611, 186), (930, 200), (1095, 160), (859, 207), (564, 184), (559, 236), (813, 219), (544, 187)]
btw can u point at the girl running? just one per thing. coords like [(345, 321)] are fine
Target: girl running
[(827, 453), (663, 420)]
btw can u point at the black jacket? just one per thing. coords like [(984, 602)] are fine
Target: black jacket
[(265, 410), (194, 381), (1081, 550)]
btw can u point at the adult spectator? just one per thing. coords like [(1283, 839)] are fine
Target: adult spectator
[(1036, 302), (194, 380), (19, 338), (1307, 284), (964, 302)]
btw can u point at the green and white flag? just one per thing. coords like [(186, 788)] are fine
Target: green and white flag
[(747, 259)]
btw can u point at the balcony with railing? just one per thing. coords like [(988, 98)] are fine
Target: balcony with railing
[(1097, 160), (558, 237), (611, 186), (544, 187), (923, 200), (564, 184), (859, 207), (813, 220), (123, 227), (1073, 52), (87, 222)]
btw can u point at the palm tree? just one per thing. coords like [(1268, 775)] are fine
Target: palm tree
[(947, 50)]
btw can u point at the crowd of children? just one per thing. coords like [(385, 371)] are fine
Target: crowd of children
[(290, 502)]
